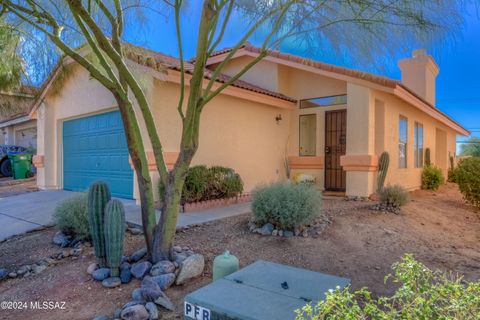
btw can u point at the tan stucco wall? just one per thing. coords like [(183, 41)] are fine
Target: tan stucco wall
[(410, 177), (234, 132)]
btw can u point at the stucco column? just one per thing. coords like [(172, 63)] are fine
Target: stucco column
[(360, 161), (39, 159)]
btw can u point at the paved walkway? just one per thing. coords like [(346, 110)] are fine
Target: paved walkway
[(29, 211)]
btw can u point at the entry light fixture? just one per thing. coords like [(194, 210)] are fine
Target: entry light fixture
[(278, 118)]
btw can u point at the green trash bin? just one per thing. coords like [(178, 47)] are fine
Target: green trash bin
[(21, 164)]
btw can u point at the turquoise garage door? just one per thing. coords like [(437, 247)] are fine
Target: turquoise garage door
[(95, 148)]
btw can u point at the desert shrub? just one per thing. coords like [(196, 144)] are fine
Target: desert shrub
[(286, 205), (467, 175), (216, 182), (432, 177), (394, 196), (223, 183), (421, 294), (196, 184), (70, 216)]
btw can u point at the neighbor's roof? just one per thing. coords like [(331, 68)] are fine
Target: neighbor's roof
[(16, 104), (382, 81)]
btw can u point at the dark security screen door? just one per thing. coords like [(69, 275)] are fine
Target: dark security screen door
[(335, 146)]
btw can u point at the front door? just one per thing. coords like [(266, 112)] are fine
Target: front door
[(335, 146)]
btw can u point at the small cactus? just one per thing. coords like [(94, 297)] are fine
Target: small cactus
[(427, 157), (114, 228), (98, 197), (383, 164)]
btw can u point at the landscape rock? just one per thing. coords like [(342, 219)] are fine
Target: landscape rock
[(275, 232), (125, 275), (288, 234), (117, 313), (190, 268), (164, 281), (162, 267), (180, 257), (101, 274), (111, 282), (38, 268), (136, 312), (140, 269), (12, 275), (60, 239), (138, 255), (177, 249), (137, 294), (149, 294), (165, 302), (133, 303), (23, 270), (101, 318), (92, 267), (152, 310), (267, 229), (3, 273)]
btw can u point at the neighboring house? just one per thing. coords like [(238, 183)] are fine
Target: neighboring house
[(16, 125), (328, 121)]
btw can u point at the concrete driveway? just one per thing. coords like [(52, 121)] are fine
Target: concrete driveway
[(30, 211)]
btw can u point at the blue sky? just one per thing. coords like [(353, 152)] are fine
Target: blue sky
[(458, 84)]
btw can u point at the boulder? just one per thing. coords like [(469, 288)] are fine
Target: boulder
[(164, 281), (36, 269), (3, 273), (92, 267), (133, 303), (190, 268), (60, 239), (162, 267), (125, 275), (111, 282), (152, 310), (267, 229), (140, 269), (138, 255), (288, 234), (101, 274), (135, 312), (165, 302)]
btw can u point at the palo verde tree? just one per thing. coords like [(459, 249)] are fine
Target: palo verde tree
[(11, 64), (367, 28)]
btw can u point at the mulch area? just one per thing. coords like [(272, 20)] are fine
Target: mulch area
[(361, 244)]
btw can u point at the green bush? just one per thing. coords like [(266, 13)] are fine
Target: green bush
[(432, 177), (216, 182), (286, 205), (394, 196), (70, 216), (422, 294), (467, 175)]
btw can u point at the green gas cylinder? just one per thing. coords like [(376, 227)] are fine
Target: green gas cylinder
[(224, 264)]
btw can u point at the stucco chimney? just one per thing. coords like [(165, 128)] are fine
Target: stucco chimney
[(419, 74)]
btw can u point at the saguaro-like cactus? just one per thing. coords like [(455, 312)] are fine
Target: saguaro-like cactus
[(114, 228), (383, 164), (98, 197), (427, 157)]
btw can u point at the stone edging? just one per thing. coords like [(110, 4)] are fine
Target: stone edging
[(216, 203)]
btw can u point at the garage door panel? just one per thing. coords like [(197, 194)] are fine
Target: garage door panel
[(95, 148)]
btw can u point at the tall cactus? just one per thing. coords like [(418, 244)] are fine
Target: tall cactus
[(98, 197), (427, 157), (383, 164), (114, 233)]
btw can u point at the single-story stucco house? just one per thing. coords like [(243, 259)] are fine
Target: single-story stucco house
[(16, 126), (325, 120)]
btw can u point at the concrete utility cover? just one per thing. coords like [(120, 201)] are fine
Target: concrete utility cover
[(261, 291)]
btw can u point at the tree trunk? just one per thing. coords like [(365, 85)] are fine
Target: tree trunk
[(139, 160)]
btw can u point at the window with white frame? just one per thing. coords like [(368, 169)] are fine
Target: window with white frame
[(418, 145), (402, 142)]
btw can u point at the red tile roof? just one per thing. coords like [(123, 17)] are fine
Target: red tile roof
[(160, 62)]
